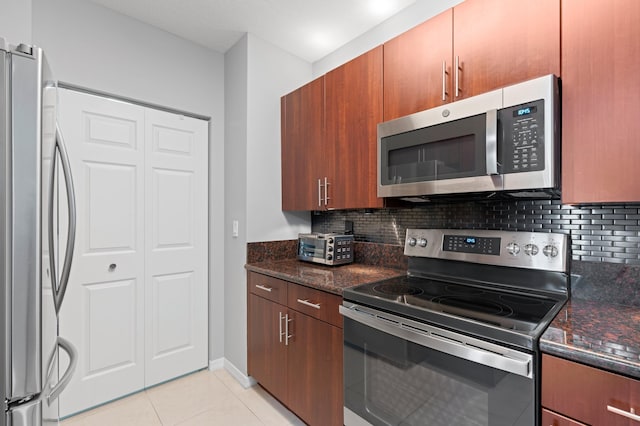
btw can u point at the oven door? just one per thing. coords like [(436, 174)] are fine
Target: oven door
[(401, 372)]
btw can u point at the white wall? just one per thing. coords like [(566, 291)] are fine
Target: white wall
[(257, 74), (406, 19), (272, 73), (91, 46), (15, 21)]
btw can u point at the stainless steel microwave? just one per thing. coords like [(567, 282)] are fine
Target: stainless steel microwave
[(506, 140)]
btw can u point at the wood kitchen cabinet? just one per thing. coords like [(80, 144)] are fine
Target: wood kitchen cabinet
[(476, 47), (549, 418), (329, 131), (353, 109), (417, 66), (589, 395), (500, 43), (600, 101), (295, 347), (305, 154)]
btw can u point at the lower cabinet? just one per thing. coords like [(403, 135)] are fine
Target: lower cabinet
[(573, 393), (295, 347)]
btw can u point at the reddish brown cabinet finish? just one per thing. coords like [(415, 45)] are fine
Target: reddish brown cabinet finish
[(305, 153), (417, 67), (549, 418), (587, 394), (600, 101), (353, 109), (500, 43), (295, 356), (315, 370)]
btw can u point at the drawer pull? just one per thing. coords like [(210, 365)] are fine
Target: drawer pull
[(628, 414), (261, 287), (307, 303)]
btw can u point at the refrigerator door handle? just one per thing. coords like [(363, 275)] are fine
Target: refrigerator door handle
[(59, 291), (65, 345)]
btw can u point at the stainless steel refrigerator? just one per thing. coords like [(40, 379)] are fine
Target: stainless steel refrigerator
[(37, 233)]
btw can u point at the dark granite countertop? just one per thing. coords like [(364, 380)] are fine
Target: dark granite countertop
[(332, 279), (595, 328)]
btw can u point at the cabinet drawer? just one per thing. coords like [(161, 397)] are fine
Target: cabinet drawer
[(549, 418), (588, 394), (316, 303), (268, 287)]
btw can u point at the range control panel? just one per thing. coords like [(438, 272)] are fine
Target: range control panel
[(533, 250)]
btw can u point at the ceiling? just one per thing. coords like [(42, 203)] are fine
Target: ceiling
[(309, 29)]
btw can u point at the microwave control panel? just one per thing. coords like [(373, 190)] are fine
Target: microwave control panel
[(522, 142)]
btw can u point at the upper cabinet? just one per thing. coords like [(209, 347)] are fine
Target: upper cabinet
[(600, 101), (353, 109), (478, 46), (304, 149), (417, 66), (498, 43), (329, 130)]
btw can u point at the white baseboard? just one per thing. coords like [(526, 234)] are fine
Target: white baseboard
[(244, 380), (216, 364)]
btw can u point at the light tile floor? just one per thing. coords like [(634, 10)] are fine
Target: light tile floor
[(209, 398)]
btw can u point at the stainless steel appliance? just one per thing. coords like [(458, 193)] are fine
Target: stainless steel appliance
[(328, 249), (33, 164), (506, 141), (455, 342)]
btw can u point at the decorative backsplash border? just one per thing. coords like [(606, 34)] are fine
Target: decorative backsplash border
[(609, 233)]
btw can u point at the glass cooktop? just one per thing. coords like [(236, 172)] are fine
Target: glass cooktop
[(421, 298)]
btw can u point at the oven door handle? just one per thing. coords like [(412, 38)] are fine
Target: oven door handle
[(454, 344)]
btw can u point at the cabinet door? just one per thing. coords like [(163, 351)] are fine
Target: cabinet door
[(353, 111), (500, 43), (417, 67), (549, 418), (315, 370), (600, 102), (267, 355), (305, 155), (103, 314), (585, 393), (176, 219)]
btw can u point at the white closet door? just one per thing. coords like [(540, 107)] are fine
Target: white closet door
[(103, 313), (176, 238)]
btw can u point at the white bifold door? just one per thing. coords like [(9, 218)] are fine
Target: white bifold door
[(136, 305)]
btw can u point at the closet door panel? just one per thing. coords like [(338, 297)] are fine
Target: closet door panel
[(177, 229), (103, 313)]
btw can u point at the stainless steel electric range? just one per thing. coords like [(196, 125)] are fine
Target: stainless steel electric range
[(455, 342)]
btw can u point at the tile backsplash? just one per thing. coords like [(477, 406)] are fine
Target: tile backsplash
[(608, 233)]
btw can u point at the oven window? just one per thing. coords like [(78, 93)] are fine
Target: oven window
[(392, 381), (445, 151)]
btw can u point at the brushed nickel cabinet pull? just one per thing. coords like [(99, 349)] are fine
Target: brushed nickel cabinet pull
[(261, 287), (458, 69), (631, 414), (307, 303), (444, 81)]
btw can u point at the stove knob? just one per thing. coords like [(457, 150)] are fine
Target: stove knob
[(422, 242), (329, 257), (330, 240), (513, 249), (330, 249), (412, 242), (550, 251), (531, 249)]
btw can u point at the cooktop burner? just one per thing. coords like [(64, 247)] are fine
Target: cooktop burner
[(396, 289)]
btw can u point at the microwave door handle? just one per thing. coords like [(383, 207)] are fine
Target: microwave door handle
[(492, 142)]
